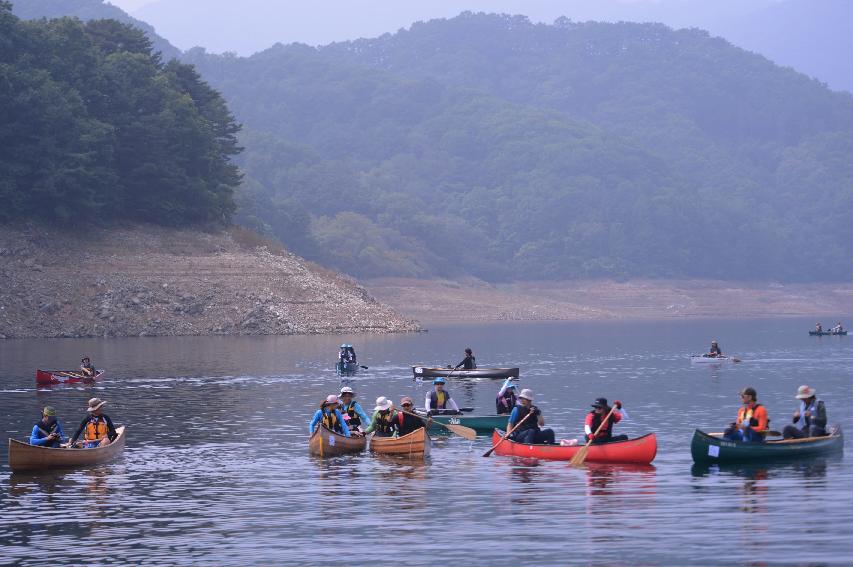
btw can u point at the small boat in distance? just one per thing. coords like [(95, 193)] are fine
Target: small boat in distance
[(413, 445), (701, 359), (712, 448), (326, 443), (54, 377), (822, 333), (641, 450), (26, 457), (426, 372)]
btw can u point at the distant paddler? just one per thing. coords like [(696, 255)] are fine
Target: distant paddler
[(87, 368), (838, 328), (752, 421), (97, 427), (437, 400), (330, 416), (384, 422), (507, 398), (818, 327), (356, 418), (811, 416), (524, 430), (47, 432), (715, 351), (469, 362)]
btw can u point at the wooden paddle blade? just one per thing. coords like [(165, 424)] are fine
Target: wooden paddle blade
[(462, 431), (580, 456)]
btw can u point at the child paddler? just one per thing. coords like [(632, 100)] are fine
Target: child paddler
[(356, 418), (330, 416), (384, 422)]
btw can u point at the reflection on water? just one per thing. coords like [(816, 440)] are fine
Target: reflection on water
[(216, 470)]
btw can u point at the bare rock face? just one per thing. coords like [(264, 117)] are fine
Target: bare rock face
[(149, 281)]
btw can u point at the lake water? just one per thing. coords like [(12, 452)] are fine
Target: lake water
[(217, 471)]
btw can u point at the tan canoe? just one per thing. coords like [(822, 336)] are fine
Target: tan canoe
[(26, 457), (416, 444), (326, 443)]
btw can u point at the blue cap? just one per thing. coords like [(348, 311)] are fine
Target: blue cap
[(510, 386), (439, 380)]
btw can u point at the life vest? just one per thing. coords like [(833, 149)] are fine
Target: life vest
[(354, 420), (605, 433), (385, 426), (529, 423), (745, 413), (438, 400), (813, 408), (330, 421), (506, 402), (96, 428), (46, 432)]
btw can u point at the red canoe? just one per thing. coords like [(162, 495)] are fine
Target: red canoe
[(641, 450), (52, 377)]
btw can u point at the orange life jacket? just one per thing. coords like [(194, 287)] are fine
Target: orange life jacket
[(96, 428)]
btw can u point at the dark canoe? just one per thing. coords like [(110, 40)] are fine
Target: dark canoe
[(26, 457), (482, 424), (53, 377), (326, 443), (714, 449), (346, 367), (822, 333), (436, 372)]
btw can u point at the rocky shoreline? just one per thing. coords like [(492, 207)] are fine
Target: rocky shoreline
[(152, 281)]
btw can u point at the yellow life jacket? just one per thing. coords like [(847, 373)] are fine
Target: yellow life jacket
[(330, 420)]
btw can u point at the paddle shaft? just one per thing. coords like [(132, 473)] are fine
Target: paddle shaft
[(580, 456), (449, 427), (508, 433)]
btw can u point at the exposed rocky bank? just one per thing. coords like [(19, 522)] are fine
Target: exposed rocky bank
[(144, 281)]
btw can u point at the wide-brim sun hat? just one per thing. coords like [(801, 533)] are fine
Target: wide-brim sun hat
[(382, 404), (331, 399), (526, 394), (347, 390), (95, 404), (805, 392)]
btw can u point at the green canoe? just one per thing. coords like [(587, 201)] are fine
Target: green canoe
[(483, 424), (713, 449)]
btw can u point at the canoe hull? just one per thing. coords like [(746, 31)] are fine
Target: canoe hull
[(641, 450), (54, 377), (346, 368), (823, 333), (425, 372), (326, 443), (707, 449), (482, 424), (26, 457), (414, 445), (710, 359)]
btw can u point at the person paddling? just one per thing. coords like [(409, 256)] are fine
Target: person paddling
[(507, 398), (751, 421), (600, 411), (384, 422), (87, 368), (406, 422), (47, 432), (437, 400), (818, 327), (97, 427), (528, 431), (715, 351), (469, 362), (330, 416), (811, 416), (352, 412)]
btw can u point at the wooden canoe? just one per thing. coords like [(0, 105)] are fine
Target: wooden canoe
[(415, 444), (427, 372), (707, 448), (26, 457), (326, 443), (53, 377), (641, 450)]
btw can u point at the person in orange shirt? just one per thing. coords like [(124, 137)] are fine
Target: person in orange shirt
[(751, 419)]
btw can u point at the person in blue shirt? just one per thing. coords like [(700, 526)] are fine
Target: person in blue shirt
[(330, 416), (352, 411), (47, 432)]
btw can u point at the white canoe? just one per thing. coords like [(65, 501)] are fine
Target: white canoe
[(710, 359)]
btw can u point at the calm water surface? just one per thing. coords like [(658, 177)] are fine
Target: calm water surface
[(216, 469)]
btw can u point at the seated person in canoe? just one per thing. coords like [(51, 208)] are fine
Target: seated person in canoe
[(469, 362), (438, 399), (837, 328), (507, 398), (352, 412), (600, 411), (47, 432), (87, 368), (384, 422), (715, 350), (97, 427), (330, 416), (406, 421), (528, 431), (818, 327), (347, 354), (810, 417), (752, 420)]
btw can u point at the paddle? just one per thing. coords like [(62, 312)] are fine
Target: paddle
[(580, 456), (507, 434), (461, 430), (71, 375), (363, 366), (770, 432)]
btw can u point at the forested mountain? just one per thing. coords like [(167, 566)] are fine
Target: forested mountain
[(490, 146), (90, 10), (95, 128)]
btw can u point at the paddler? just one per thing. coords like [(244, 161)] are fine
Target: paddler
[(330, 416), (751, 419), (352, 411), (384, 422), (97, 427), (87, 368), (715, 350), (600, 410), (47, 432), (507, 398), (438, 399), (818, 327), (528, 431), (469, 362), (811, 416), (406, 422)]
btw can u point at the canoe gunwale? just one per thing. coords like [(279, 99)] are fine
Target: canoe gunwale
[(414, 444)]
